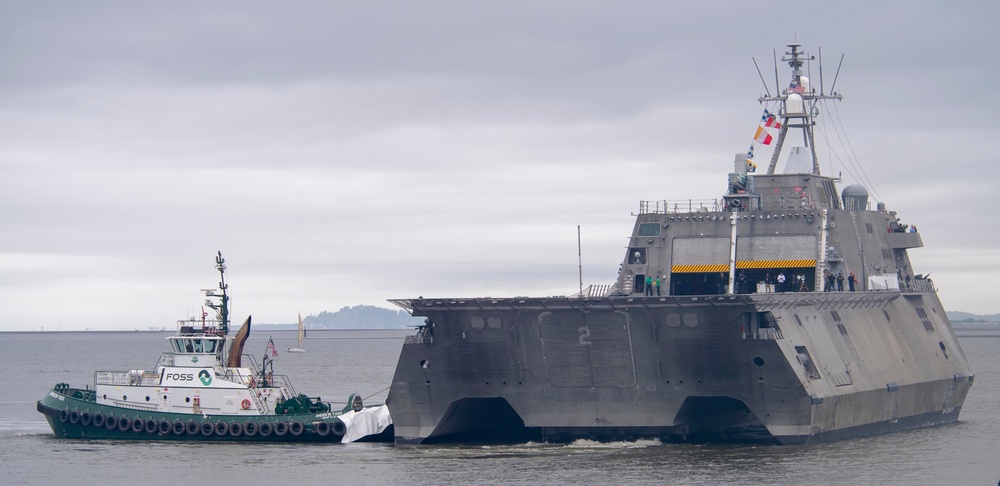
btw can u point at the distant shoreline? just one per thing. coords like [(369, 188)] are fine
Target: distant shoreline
[(256, 329)]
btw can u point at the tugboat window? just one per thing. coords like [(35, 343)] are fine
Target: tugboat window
[(478, 323)]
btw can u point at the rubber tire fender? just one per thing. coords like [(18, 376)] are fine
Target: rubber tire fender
[(206, 429), (74, 416), (86, 418), (296, 428), (98, 420), (339, 428), (138, 425), (111, 422), (322, 429), (164, 427), (235, 429), (280, 428), (124, 423), (177, 427), (191, 427), (63, 415), (265, 429), (150, 425), (221, 429)]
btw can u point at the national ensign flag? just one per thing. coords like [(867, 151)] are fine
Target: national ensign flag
[(271, 348)]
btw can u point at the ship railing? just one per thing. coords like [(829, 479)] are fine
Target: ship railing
[(249, 361), (681, 206), (126, 378), (418, 338), (764, 334), (594, 290), (282, 381), (920, 285), (208, 326)]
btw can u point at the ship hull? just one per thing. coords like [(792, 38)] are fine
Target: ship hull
[(773, 368), (71, 416)]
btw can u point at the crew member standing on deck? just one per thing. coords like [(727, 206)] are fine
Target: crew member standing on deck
[(781, 282), (840, 281), (850, 281), (657, 283), (649, 285)]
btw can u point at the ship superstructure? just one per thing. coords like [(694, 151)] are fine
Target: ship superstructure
[(782, 312)]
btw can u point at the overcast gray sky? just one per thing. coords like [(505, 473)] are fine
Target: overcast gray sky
[(344, 153)]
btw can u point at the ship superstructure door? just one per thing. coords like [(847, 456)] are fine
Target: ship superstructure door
[(760, 259), (699, 266)]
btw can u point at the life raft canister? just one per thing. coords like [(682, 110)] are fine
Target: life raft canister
[(245, 404)]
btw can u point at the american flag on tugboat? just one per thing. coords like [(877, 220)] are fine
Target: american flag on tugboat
[(271, 348)]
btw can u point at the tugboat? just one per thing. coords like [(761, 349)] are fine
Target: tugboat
[(199, 391), (778, 313)]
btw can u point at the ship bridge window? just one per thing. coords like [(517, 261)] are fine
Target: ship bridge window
[(649, 229), (197, 345)]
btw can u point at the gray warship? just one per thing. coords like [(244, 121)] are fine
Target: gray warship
[(724, 323)]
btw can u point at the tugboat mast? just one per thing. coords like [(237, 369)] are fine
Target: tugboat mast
[(798, 106), (221, 308)]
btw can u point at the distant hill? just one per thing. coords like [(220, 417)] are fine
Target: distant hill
[(959, 316), (362, 317)]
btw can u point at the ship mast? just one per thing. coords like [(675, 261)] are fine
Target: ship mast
[(798, 106)]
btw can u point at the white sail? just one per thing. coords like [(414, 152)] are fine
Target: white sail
[(298, 349)]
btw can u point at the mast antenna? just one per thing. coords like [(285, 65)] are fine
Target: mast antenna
[(761, 77), (820, 49), (835, 76), (777, 84), (579, 252)]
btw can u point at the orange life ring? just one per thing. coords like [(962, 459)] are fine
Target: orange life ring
[(245, 404)]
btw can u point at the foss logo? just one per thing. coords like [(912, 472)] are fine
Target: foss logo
[(203, 376)]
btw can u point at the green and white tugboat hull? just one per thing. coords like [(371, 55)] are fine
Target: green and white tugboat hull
[(204, 388)]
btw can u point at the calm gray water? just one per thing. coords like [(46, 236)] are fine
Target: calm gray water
[(340, 362)]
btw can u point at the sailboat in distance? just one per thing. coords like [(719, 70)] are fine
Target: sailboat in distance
[(298, 349)]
